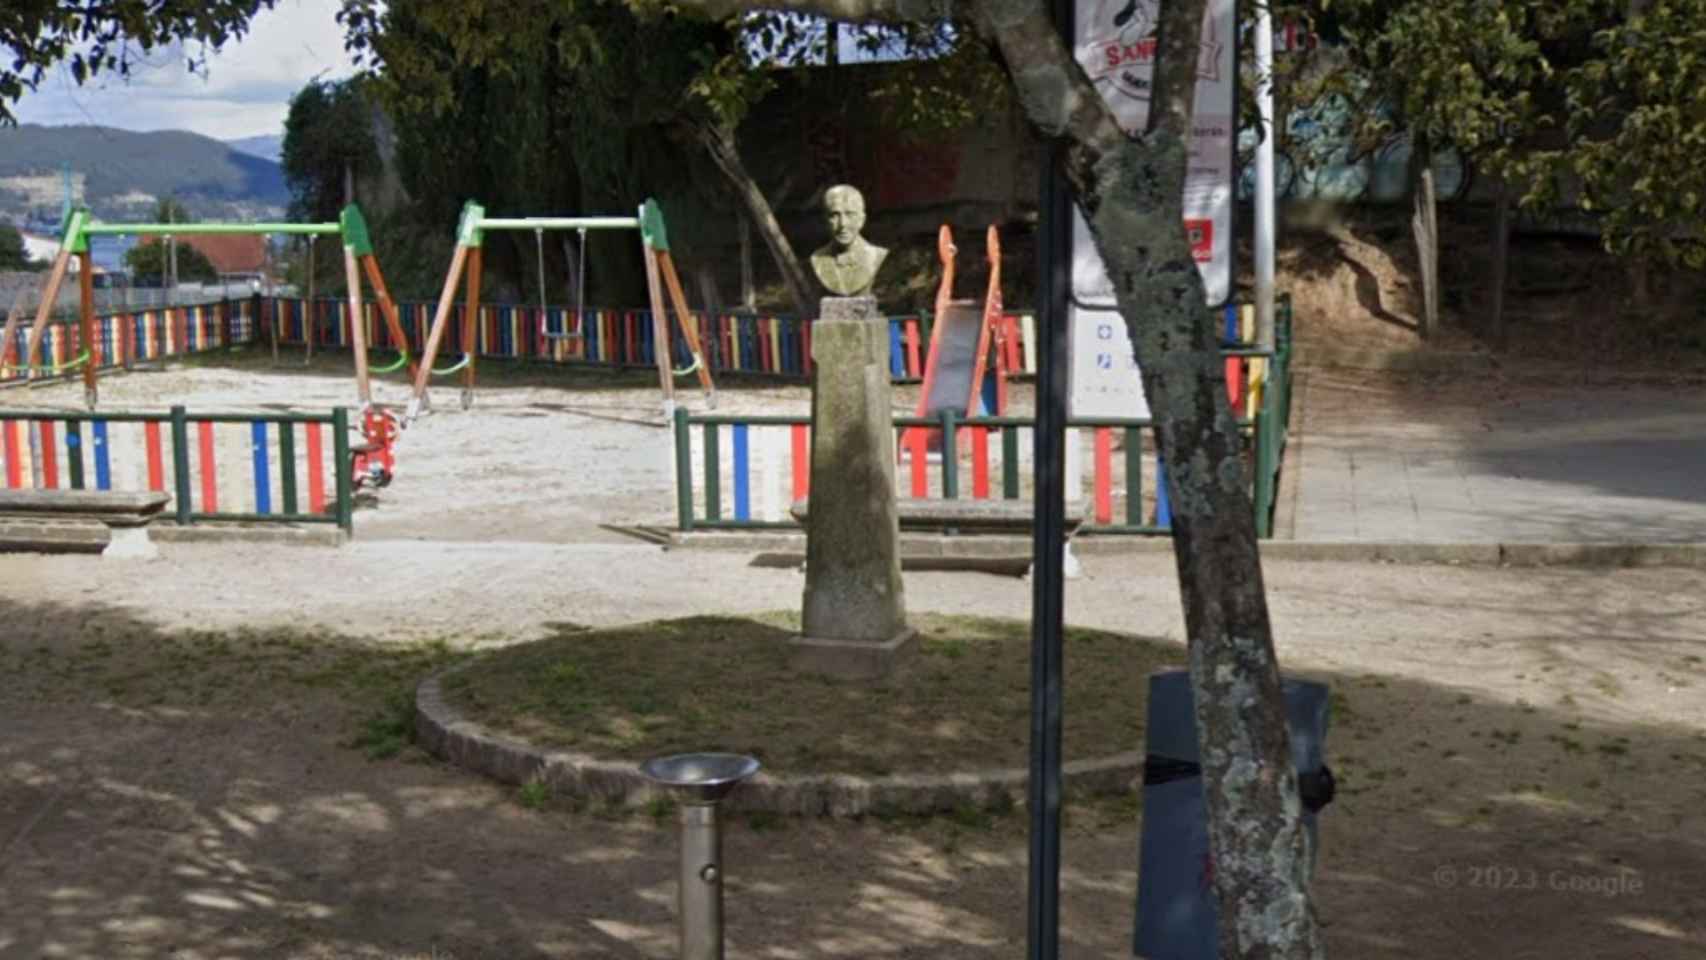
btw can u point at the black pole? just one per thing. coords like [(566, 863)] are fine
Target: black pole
[(1054, 256)]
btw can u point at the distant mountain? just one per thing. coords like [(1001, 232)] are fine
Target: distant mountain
[(268, 147), (120, 174)]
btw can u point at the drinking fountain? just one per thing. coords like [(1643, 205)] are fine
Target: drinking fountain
[(699, 782)]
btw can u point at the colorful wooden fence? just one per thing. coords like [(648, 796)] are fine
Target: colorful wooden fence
[(745, 470), (777, 344), (122, 339), (274, 467), (1122, 484)]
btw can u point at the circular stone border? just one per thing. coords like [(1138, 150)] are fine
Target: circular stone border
[(445, 733)]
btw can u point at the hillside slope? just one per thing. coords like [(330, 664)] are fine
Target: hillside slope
[(267, 146), (120, 174)]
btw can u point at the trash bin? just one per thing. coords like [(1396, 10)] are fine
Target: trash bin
[(1176, 910)]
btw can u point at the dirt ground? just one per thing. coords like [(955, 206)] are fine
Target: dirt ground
[(1521, 752)]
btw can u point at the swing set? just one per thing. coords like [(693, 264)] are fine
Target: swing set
[(80, 226), (465, 263)]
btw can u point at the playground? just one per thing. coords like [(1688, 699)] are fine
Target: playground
[(210, 754)]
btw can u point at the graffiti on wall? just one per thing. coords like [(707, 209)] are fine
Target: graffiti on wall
[(1319, 160)]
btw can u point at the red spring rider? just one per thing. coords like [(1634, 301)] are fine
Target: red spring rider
[(373, 461)]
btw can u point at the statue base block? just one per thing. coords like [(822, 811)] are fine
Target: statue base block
[(853, 659)]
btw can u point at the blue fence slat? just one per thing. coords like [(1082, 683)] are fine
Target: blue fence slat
[(1163, 508), (263, 482), (103, 465), (743, 488)]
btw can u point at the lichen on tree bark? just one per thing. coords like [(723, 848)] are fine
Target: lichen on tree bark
[(1130, 190)]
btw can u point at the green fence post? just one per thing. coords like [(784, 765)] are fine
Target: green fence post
[(713, 473), (950, 456), (74, 451), (341, 469), (1264, 490), (287, 463), (1010, 462), (683, 470), (181, 463), (1134, 476)]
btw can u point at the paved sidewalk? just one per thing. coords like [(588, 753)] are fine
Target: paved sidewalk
[(1480, 460)]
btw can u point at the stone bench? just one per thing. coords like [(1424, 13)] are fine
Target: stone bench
[(968, 516), (941, 515), (114, 521)]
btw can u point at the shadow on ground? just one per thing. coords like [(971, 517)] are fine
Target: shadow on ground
[(1500, 457), (200, 795)]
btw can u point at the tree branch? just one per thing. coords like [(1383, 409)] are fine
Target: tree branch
[(846, 11)]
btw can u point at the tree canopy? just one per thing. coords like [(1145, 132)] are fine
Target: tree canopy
[(92, 37), (13, 255), (147, 262), (328, 132), (1635, 122)]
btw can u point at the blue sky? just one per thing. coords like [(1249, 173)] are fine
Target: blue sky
[(246, 90)]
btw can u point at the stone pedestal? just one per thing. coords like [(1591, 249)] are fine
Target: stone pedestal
[(130, 543), (855, 605)]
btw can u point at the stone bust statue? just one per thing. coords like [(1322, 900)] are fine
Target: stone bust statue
[(847, 265)]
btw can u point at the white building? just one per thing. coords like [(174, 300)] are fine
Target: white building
[(44, 249)]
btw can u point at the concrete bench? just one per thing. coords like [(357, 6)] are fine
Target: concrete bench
[(968, 516), (115, 521), (940, 515)]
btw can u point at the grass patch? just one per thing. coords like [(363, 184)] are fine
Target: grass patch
[(532, 795), (369, 683), (724, 683)]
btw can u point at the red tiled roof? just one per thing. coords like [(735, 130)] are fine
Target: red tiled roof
[(229, 253)]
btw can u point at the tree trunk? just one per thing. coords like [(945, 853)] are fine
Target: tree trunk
[(1501, 259), (709, 295), (748, 293), (1425, 225), (1640, 283), (1261, 865), (719, 142), (1130, 191), (572, 278)]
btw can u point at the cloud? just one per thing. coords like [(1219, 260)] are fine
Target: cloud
[(246, 89)]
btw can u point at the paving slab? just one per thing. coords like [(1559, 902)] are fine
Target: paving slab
[(1486, 460)]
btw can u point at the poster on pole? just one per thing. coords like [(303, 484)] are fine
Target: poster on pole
[(1115, 42)]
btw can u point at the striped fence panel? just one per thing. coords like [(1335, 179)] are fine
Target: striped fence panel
[(128, 337), (286, 468), (743, 470), (773, 344)]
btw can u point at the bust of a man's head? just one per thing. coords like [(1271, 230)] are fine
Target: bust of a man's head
[(847, 265)]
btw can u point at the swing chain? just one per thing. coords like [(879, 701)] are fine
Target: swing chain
[(580, 305), (539, 245)]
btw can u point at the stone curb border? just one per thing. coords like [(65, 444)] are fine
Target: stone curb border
[(787, 546), (308, 535), (471, 746)]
